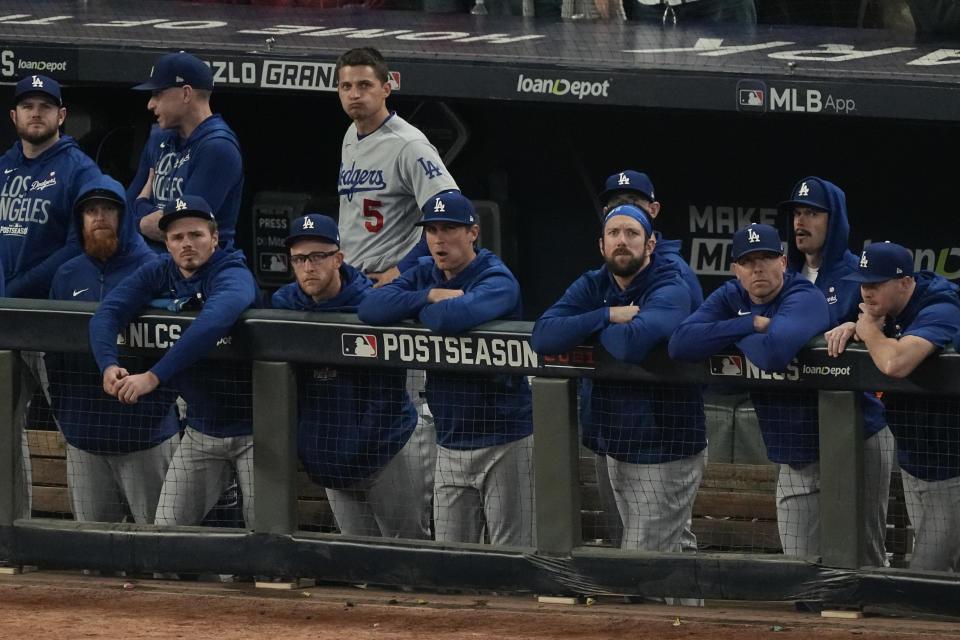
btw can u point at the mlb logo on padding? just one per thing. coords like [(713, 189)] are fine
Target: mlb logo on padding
[(359, 345), (721, 365)]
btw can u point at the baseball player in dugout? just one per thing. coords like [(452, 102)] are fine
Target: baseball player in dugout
[(636, 188), (117, 454), (484, 473), (769, 314), (388, 171), (195, 275), (358, 435), (905, 318), (191, 150), (42, 175), (653, 435), (818, 250)]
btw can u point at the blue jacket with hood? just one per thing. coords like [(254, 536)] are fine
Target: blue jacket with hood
[(208, 164), (788, 419), (927, 428), (843, 296), (669, 251), (470, 410), (37, 229), (636, 423), (90, 419), (218, 394), (352, 420)]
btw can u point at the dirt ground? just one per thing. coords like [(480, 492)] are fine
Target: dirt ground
[(71, 605)]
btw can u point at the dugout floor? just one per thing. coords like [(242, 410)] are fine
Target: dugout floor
[(69, 604)]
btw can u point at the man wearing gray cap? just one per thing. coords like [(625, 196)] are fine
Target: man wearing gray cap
[(191, 150), (907, 316)]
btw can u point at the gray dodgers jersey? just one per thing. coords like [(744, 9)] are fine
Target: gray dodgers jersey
[(385, 177)]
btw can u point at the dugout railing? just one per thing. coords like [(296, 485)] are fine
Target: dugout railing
[(276, 341)]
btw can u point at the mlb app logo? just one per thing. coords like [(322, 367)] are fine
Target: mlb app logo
[(359, 345), (751, 96), (721, 365)]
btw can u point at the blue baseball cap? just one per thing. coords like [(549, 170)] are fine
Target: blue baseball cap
[(37, 84), (627, 181), (315, 226), (882, 261), (178, 70), (809, 192), (634, 212), (185, 207), (756, 237), (449, 206)]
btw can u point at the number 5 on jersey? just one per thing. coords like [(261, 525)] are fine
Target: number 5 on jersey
[(371, 209)]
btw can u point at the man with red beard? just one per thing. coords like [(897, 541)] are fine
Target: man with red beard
[(117, 454)]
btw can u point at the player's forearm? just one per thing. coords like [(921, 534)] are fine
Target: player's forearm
[(888, 356), (391, 304), (696, 340), (556, 334)]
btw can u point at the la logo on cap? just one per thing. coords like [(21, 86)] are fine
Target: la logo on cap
[(37, 82), (863, 260), (308, 223), (438, 206), (752, 236), (804, 190), (623, 179), (181, 205)]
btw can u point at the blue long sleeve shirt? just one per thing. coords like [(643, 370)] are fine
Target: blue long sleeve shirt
[(208, 164), (788, 419), (38, 232), (927, 428), (352, 420), (470, 411), (90, 419), (227, 288), (641, 424)]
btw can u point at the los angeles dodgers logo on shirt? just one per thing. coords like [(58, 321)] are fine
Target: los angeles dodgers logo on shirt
[(354, 180)]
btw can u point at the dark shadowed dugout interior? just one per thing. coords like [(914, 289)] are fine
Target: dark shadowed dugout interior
[(532, 115)]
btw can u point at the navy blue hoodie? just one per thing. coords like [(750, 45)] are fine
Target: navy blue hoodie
[(843, 296), (37, 229), (636, 423), (218, 394), (927, 427), (206, 164), (89, 418), (352, 420), (470, 411), (788, 419)]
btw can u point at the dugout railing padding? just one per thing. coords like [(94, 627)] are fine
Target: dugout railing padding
[(275, 341)]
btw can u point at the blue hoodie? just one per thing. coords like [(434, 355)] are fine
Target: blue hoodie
[(788, 419), (226, 288), (470, 411), (206, 164), (927, 427), (90, 419), (637, 423), (843, 296), (352, 420), (37, 229), (669, 251)]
